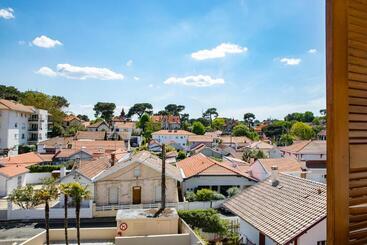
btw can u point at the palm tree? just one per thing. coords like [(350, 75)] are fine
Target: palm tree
[(78, 193), (65, 190), (45, 195)]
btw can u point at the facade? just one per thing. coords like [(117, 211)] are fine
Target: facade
[(176, 138), (11, 177), (135, 181), (196, 140), (65, 155), (99, 126), (262, 146), (21, 125), (282, 209), (71, 120), (168, 122), (200, 171)]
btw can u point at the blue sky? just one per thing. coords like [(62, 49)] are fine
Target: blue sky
[(265, 57)]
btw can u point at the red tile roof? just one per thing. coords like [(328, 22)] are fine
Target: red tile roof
[(172, 132), (92, 168), (13, 170), (27, 159), (169, 118), (90, 135), (283, 164), (15, 106), (69, 118), (201, 165)]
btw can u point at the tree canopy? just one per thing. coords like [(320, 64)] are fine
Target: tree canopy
[(249, 119), (173, 109), (139, 109), (302, 131), (198, 128), (104, 110)]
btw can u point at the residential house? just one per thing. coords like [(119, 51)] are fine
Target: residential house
[(126, 131), (282, 209), (313, 153), (176, 138), (261, 145), (168, 122), (154, 146), (207, 151), (65, 155), (195, 140), (322, 135), (53, 144), (27, 159), (200, 171), (71, 120), (98, 148), (11, 177), (261, 168), (13, 126), (235, 142), (136, 180), (91, 135), (99, 126)]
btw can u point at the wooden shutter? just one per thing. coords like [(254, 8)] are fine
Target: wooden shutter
[(346, 27)]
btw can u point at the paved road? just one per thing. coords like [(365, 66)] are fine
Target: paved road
[(18, 231)]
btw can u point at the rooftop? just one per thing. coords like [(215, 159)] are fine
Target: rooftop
[(306, 147), (15, 106), (13, 170), (284, 211), (92, 168), (90, 135), (172, 132), (27, 159), (283, 164)]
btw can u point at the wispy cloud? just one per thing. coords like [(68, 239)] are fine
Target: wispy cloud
[(218, 52), (129, 63), (195, 81), (46, 42), (290, 61), (136, 78), (7, 13), (80, 73), (312, 51)]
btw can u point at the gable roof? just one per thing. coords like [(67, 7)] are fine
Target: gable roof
[(284, 164), (97, 124), (146, 158), (90, 135), (173, 132), (306, 147), (71, 117), (56, 141), (281, 212), (201, 138), (15, 106), (13, 170), (200, 164), (166, 118), (98, 146), (124, 124), (65, 153), (27, 159), (92, 168), (260, 145), (227, 139)]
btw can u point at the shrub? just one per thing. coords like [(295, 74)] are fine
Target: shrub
[(48, 168), (218, 196), (233, 191), (208, 220), (205, 195), (181, 155), (190, 196)]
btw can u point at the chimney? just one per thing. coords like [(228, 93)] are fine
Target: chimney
[(62, 172), (274, 176), (128, 145), (113, 159)]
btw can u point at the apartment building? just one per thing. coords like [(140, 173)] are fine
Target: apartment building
[(20, 125)]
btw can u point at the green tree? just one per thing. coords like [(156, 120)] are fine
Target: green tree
[(249, 119), (241, 130), (198, 128), (218, 123), (285, 140), (210, 113), (302, 131), (60, 101), (323, 112), (181, 155), (78, 193), (139, 109), (83, 117), (249, 154), (65, 189), (173, 109), (144, 119), (308, 116), (104, 110), (10, 93), (233, 191), (45, 195), (24, 197)]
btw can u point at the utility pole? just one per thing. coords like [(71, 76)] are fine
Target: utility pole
[(163, 183)]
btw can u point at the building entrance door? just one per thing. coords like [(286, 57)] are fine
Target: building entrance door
[(136, 194)]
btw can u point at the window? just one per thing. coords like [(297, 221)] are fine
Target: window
[(16, 125), (19, 181), (137, 172), (23, 136), (321, 243)]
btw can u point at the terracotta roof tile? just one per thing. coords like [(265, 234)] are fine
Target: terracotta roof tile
[(172, 132), (90, 135), (15, 106), (281, 212), (71, 117), (284, 164), (27, 159), (13, 170), (92, 168), (169, 118), (306, 147), (200, 138)]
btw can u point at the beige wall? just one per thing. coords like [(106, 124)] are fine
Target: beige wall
[(148, 226), (177, 239), (124, 180)]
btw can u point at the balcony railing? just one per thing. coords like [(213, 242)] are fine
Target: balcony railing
[(33, 129)]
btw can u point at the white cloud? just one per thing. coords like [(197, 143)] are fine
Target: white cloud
[(81, 73), (151, 85), (136, 78), (129, 63), (45, 42), (7, 13), (312, 51), (195, 81), (46, 71), (218, 52), (290, 61)]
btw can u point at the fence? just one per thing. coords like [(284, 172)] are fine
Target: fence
[(55, 213), (36, 178)]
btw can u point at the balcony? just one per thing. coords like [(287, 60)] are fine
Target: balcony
[(33, 129)]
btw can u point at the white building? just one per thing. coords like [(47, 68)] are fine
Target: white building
[(13, 126), (176, 138), (281, 210), (38, 126), (11, 177), (200, 171)]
